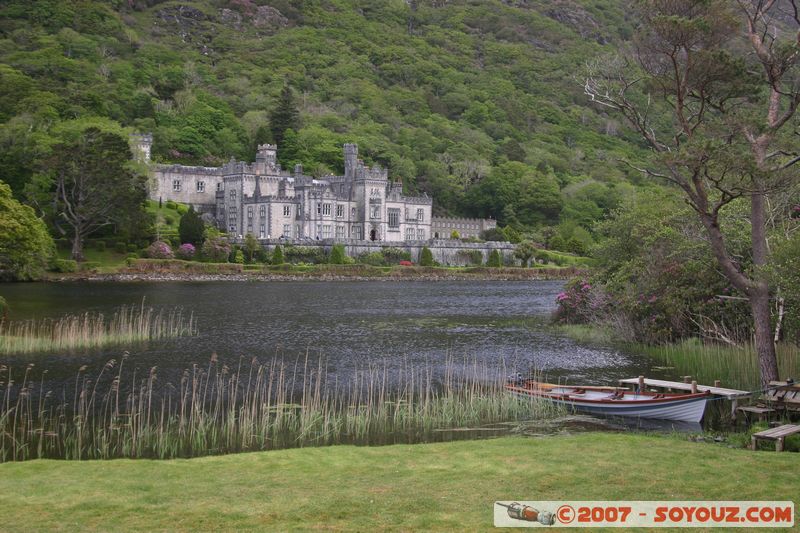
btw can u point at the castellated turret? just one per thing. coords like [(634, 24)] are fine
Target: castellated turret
[(267, 154), (350, 160), (141, 143)]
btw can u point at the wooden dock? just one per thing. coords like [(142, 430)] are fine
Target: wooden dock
[(732, 395), (729, 394)]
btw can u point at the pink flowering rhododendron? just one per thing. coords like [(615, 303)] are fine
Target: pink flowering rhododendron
[(186, 251), (159, 250), (576, 302)]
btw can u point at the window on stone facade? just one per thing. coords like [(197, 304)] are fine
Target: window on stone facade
[(297, 231), (201, 186), (319, 208), (250, 212), (420, 234), (409, 234), (326, 231), (340, 232), (326, 210), (232, 218), (232, 228), (394, 217), (232, 194), (287, 230), (374, 211), (249, 228), (262, 211), (339, 210), (374, 192), (262, 231), (319, 230), (287, 210), (420, 214), (405, 214), (353, 213), (356, 233), (176, 185)]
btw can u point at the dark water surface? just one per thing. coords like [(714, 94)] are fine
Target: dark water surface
[(350, 324)]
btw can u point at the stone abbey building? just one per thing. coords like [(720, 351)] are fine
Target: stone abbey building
[(262, 199)]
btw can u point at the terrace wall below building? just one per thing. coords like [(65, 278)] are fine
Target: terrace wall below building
[(445, 251)]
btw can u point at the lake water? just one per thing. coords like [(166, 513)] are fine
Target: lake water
[(350, 324)]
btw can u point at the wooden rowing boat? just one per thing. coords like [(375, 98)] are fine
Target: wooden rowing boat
[(616, 401)]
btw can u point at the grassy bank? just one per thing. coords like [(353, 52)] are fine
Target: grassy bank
[(444, 486), (178, 269), (736, 366)]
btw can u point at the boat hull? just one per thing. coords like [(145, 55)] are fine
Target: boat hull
[(685, 408)]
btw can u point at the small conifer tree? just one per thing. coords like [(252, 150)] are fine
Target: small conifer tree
[(250, 246), (494, 259), (277, 256), (426, 257), (337, 255), (192, 228)]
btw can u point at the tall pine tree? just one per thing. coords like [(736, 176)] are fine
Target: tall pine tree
[(285, 116)]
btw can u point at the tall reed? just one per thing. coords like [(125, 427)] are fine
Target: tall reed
[(736, 366), (252, 406), (90, 330)]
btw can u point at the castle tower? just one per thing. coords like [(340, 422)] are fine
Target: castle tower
[(141, 143), (267, 154), (350, 160)]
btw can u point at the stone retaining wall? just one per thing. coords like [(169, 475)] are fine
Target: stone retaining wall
[(445, 251)]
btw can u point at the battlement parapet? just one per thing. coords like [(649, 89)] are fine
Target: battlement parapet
[(185, 169)]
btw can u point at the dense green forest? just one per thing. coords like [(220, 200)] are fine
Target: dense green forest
[(477, 103)]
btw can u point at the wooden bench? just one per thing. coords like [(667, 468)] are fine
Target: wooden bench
[(777, 434), (781, 396), (762, 413)]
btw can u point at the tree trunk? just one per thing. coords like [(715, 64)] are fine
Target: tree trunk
[(77, 246), (765, 346), (756, 288), (759, 288)]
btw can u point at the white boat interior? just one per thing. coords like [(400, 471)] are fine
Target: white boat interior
[(598, 394)]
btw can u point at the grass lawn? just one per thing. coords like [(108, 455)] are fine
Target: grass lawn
[(166, 218), (446, 486), (108, 260)]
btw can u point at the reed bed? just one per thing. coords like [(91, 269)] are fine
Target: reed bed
[(735, 366), (91, 330), (218, 409)]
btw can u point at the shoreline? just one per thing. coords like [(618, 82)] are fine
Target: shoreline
[(325, 274)]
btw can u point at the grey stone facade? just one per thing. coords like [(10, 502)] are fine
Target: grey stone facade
[(442, 228), (264, 200)]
